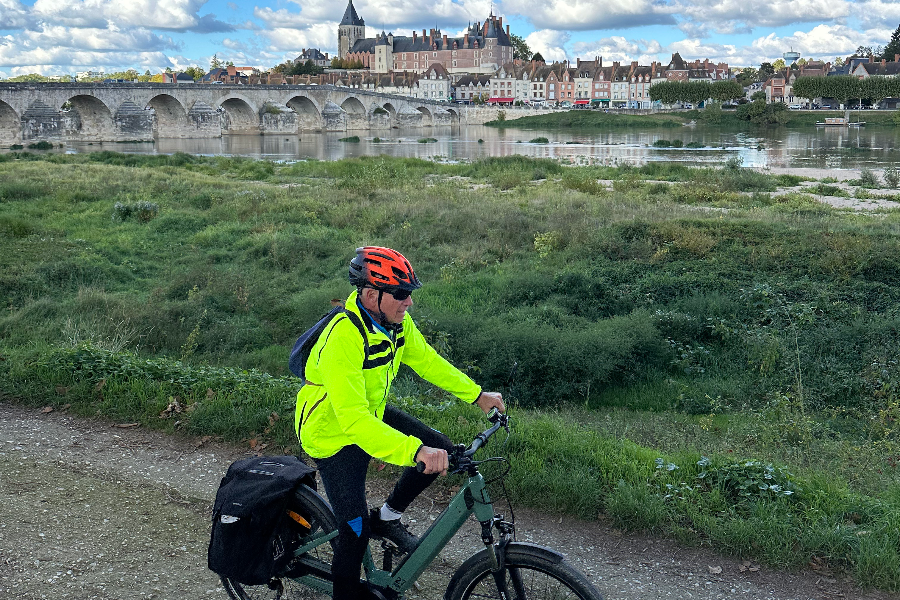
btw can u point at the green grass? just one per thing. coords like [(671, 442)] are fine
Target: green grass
[(681, 313)]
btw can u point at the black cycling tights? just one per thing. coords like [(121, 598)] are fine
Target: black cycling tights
[(344, 476)]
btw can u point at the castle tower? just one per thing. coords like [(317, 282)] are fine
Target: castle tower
[(351, 29)]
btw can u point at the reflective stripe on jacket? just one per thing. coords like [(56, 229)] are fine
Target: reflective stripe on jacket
[(343, 400)]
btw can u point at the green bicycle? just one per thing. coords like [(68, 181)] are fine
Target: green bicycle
[(504, 569)]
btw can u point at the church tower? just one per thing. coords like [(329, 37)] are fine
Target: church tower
[(351, 29)]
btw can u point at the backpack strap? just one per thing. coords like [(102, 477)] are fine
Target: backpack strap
[(362, 331)]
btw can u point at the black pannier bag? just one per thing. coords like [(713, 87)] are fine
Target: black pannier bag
[(250, 541)]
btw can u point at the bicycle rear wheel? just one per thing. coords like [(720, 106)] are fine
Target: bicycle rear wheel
[(531, 572), (318, 514)]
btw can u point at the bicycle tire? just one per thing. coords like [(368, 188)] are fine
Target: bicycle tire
[(532, 572), (319, 515)]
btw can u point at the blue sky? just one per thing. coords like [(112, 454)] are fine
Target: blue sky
[(65, 36)]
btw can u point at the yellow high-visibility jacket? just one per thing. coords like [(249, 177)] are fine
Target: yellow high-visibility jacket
[(343, 400)]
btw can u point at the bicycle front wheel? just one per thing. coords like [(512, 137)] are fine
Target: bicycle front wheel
[(531, 572), (318, 514)]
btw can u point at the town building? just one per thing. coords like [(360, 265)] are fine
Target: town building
[(433, 84), (472, 88), (483, 48), (313, 54)]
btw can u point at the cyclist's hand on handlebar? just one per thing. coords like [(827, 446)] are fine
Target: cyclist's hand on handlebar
[(434, 459), (488, 400)]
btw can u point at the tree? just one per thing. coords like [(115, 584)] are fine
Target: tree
[(893, 47), (538, 57), (723, 91), (760, 95), (779, 65), (196, 73), (520, 47), (864, 51), (766, 70), (747, 76), (215, 63), (838, 61)]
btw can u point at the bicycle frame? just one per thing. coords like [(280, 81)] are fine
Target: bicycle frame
[(472, 498)]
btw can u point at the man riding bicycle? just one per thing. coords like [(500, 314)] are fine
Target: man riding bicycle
[(343, 419)]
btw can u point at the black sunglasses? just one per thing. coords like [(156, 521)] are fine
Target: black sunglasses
[(400, 295)]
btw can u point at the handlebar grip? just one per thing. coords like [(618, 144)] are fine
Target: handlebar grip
[(420, 467)]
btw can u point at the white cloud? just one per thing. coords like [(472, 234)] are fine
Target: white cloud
[(13, 15), (550, 43), (820, 41), (878, 14), (583, 15), (732, 16), (284, 39), (158, 14), (617, 48), (415, 14)]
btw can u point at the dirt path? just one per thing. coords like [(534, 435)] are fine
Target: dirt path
[(89, 510)]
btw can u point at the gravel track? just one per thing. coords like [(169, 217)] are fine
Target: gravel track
[(89, 510)]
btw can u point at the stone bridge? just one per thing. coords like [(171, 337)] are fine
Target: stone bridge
[(143, 111)]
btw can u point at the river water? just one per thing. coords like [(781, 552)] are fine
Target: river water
[(833, 147)]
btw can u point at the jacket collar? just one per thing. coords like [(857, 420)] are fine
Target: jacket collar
[(374, 328)]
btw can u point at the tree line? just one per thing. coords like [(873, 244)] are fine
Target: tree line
[(672, 92), (844, 88)]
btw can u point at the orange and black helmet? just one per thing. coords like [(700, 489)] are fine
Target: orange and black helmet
[(382, 269)]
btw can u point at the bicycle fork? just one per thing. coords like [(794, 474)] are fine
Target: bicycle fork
[(497, 552)]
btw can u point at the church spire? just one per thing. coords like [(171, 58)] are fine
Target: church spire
[(350, 16)]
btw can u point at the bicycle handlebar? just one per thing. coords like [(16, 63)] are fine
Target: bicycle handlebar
[(497, 418)]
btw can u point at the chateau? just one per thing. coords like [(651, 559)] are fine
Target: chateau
[(483, 48)]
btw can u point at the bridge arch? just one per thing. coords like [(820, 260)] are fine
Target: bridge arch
[(382, 115), (357, 117), (89, 118), (10, 124), (240, 115), (308, 114), (454, 116), (171, 116), (427, 117)]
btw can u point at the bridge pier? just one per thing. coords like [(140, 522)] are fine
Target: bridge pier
[(203, 121), (43, 122), (133, 123), (334, 117), (277, 118)]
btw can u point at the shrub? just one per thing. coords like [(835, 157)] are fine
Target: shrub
[(868, 179), (42, 145), (712, 113), (353, 138), (540, 140), (142, 211), (891, 176), (427, 140), (662, 144)]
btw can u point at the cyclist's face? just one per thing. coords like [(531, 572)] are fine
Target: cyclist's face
[(395, 309)]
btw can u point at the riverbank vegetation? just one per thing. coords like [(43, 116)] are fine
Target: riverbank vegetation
[(753, 114), (683, 352)]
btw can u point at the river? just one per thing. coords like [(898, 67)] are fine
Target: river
[(833, 147)]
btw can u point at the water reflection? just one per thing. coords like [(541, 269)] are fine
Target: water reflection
[(833, 147)]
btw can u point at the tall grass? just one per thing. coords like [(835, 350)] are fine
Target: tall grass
[(685, 310)]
